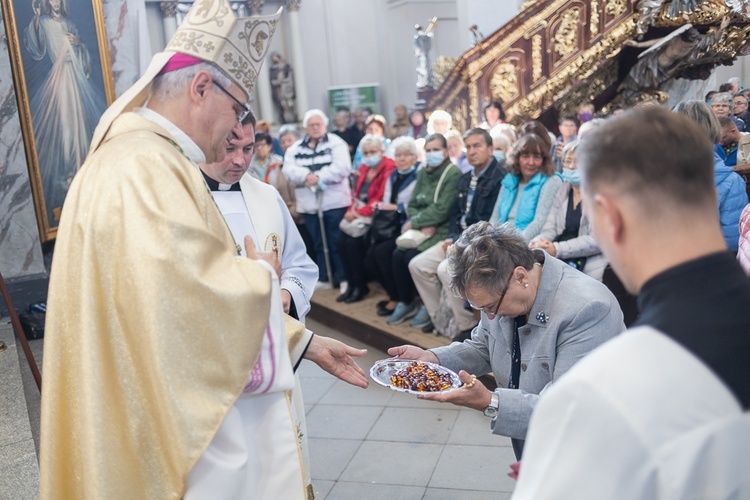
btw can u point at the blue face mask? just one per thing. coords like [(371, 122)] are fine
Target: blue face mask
[(372, 161), (571, 176), (499, 155), (434, 158)]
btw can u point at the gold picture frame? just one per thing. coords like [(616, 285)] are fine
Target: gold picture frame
[(63, 81)]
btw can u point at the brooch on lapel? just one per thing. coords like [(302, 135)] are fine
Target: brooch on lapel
[(542, 318)]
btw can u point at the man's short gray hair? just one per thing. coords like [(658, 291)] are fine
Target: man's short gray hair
[(168, 85), (485, 255), (404, 143), (314, 112)]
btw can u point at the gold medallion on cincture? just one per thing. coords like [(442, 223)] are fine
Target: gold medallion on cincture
[(273, 244)]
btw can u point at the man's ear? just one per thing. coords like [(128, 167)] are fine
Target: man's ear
[(609, 210), (199, 86)]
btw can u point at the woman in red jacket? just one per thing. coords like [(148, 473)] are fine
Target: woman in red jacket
[(352, 242)]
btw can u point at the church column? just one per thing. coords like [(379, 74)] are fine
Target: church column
[(297, 56), (169, 19), (264, 106)]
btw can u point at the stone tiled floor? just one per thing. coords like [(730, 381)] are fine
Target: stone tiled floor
[(364, 443), (376, 443)]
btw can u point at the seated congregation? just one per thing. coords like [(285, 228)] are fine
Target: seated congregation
[(386, 208)]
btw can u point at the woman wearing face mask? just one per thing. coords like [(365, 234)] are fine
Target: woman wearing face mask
[(368, 192), (429, 210), (567, 233), (398, 191), (500, 146), (529, 189), (374, 125)]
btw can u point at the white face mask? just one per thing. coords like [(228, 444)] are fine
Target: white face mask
[(372, 161), (499, 155), (434, 158)]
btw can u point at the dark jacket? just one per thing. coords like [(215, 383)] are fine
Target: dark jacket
[(485, 195)]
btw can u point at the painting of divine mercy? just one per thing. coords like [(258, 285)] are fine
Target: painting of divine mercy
[(63, 84)]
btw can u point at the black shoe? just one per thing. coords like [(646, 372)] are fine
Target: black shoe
[(428, 328), (357, 294), (384, 311), (381, 304), (464, 335), (344, 296)]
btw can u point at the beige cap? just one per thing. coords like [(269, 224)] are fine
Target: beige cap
[(211, 32)]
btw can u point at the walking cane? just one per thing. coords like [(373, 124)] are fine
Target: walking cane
[(321, 221)]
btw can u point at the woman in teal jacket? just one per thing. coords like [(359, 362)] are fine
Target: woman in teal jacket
[(528, 190)]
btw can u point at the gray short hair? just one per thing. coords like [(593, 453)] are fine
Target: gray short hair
[(485, 255), (723, 97), (289, 128), (502, 139), (168, 85), (439, 115), (404, 143), (570, 148), (372, 140), (314, 112), (586, 128), (703, 115)]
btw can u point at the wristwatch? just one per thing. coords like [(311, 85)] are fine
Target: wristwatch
[(494, 406)]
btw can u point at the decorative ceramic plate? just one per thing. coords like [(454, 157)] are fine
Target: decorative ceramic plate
[(414, 377)]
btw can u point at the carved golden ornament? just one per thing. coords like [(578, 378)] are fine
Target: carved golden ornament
[(474, 98), (498, 50), (594, 21), (536, 57), (578, 69), (615, 8), (460, 120), (710, 12), (169, 9), (566, 37), (504, 82), (441, 68), (528, 3), (588, 89)]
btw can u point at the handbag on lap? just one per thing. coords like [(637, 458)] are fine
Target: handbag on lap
[(386, 225)]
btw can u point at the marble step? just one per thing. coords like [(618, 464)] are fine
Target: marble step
[(19, 467)]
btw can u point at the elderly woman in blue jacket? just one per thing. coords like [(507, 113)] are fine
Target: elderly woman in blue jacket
[(729, 185), (528, 190)]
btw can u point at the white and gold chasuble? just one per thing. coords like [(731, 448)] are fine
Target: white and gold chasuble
[(154, 323)]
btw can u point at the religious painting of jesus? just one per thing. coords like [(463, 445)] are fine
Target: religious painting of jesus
[(63, 81)]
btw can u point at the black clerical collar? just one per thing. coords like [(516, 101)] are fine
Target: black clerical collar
[(703, 305), (216, 186), (682, 281)]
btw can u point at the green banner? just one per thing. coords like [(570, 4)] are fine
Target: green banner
[(354, 96)]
